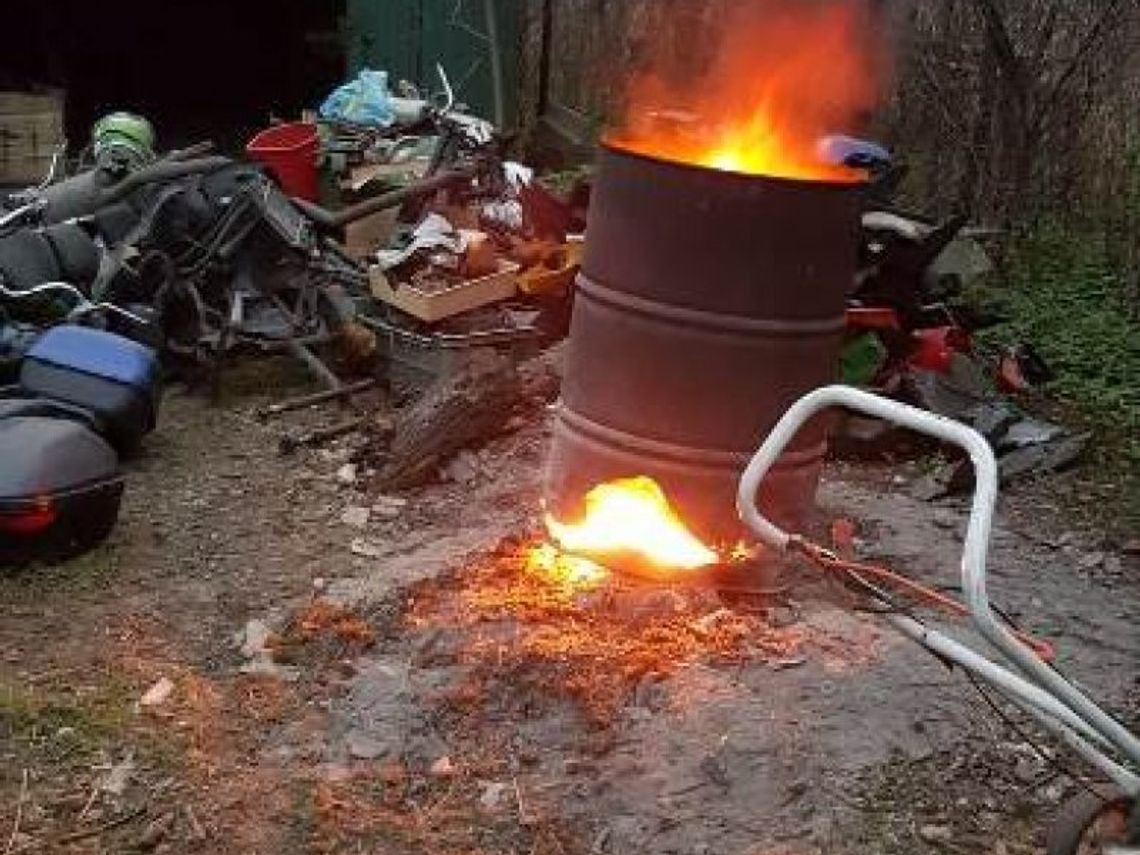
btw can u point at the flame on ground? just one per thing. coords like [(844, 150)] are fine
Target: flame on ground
[(785, 74), (628, 520)]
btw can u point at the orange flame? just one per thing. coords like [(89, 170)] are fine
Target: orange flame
[(631, 520), (786, 74)]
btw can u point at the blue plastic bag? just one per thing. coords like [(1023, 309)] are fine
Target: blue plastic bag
[(843, 150), (363, 101)]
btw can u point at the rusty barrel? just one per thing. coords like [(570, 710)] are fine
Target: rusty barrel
[(708, 302)]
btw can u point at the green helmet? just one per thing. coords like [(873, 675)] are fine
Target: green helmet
[(123, 137)]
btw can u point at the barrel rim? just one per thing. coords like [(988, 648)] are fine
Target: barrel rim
[(610, 146)]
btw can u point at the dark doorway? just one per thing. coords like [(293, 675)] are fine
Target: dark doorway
[(216, 69)]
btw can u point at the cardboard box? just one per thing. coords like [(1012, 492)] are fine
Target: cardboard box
[(363, 237), (391, 173), (437, 305)]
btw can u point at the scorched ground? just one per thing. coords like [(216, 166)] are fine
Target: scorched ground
[(388, 724)]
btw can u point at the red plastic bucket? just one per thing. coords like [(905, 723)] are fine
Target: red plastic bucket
[(290, 153)]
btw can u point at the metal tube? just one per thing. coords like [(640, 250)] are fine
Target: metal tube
[(1119, 775), (321, 216), (161, 171), (494, 51), (1048, 710), (42, 288), (336, 219), (317, 368), (977, 534), (303, 401), (57, 155), (1027, 693), (22, 211)]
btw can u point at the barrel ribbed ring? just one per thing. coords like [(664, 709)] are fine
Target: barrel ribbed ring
[(717, 321)]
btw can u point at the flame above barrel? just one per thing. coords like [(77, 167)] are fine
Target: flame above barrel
[(786, 74)]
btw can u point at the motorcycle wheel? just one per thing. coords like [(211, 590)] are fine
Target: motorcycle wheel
[(1091, 821)]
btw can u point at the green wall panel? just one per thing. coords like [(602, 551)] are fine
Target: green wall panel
[(407, 38)]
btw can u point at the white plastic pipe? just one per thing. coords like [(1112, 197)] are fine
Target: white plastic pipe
[(977, 533)]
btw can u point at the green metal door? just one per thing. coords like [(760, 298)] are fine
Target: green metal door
[(384, 34), (408, 37)]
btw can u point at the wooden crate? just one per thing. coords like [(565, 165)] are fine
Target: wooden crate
[(31, 129), (435, 306)]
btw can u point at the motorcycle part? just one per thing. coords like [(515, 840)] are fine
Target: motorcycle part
[(16, 339), (81, 308), (123, 139), (113, 377), (30, 257), (17, 406), (84, 194), (59, 489)]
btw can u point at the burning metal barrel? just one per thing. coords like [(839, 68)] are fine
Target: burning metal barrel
[(708, 302)]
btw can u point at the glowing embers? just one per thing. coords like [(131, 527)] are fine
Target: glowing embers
[(518, 633)]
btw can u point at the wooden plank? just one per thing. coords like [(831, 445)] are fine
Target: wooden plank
[(20, 102), (465, 408)]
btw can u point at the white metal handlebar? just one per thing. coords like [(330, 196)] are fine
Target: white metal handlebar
[(973, 568), (985, 495)]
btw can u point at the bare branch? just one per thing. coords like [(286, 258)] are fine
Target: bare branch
[(1092, 37), (939, 96), (1045, 37), (1000, 41)]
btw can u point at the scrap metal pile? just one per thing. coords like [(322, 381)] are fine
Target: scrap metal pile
[(912, 329), (126, 265), (177, 263)]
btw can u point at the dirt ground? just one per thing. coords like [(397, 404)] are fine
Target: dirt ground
[(397, 686)]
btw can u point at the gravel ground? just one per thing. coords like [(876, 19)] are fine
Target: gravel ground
[(348, 726)]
